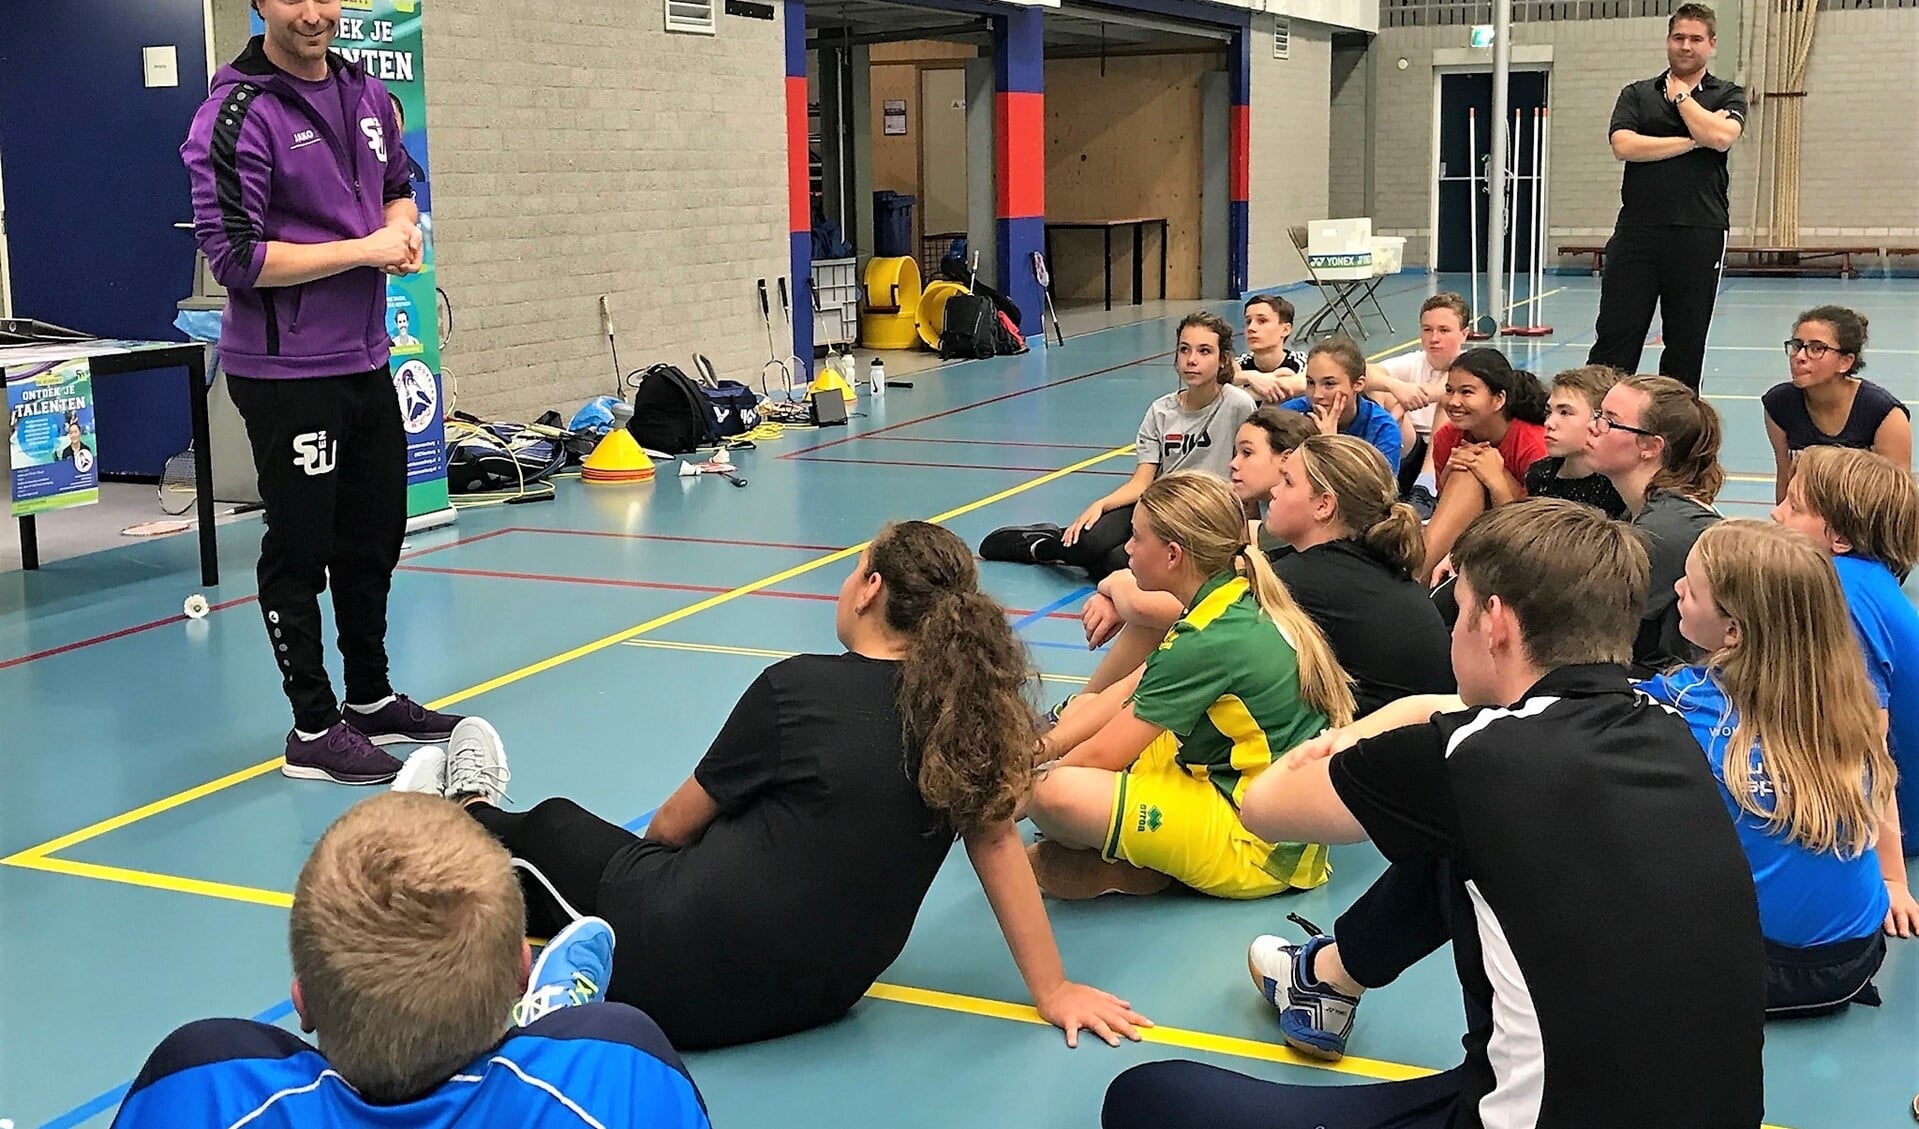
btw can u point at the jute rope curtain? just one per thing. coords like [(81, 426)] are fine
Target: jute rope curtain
[(1784, 33)]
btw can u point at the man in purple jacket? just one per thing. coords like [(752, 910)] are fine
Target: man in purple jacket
[(301, 202)]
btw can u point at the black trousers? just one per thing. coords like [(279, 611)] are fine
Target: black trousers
[(1399, 921), (664, 961), (1823, 979), (331, 456), (1193, 1095), (1675, 268), (566, 850), (1101, 548)]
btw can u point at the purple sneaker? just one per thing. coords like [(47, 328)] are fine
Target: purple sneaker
[(402, 721), (342, 754)]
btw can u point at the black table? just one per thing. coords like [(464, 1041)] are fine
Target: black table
[(1139, 224), (116, 358)]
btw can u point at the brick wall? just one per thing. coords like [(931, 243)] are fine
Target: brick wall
[(600, 154), (578, 150), (1859, 162), (1291, 127)]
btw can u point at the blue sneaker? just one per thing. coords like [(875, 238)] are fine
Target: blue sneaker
[(1313, 1018), (573, 969)]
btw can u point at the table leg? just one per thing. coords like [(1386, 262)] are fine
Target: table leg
[(203, 467), (29, 544), (1107, 234), (1139, 261)]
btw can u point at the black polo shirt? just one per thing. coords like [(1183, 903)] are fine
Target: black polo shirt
[(1604, 922), (1684, 191)]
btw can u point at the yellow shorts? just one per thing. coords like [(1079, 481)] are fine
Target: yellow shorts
[(1168, 820)]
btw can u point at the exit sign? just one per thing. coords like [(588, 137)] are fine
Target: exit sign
[(1482, 35)]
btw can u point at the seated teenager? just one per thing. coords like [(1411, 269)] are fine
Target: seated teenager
[(1191, 429), (1659, 444), (1827, 403), (1493, 434), (1564, 833), (1790, 727), (1864, 512), (1572, 424), (1142, 782), (1136, 621), (1269, 369), (409, 949), (1413, 384), (1351, 549), (1337, 402), (784, 875)]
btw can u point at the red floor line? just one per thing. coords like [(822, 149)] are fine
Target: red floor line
[(219, 607), (975, 404), (986, 442), (675, 539), (947, 466), (661, 586), (476, 538)]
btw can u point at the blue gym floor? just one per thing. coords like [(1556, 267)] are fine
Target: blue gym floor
[(151, 845)]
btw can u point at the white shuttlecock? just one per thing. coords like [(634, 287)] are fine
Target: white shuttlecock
[(196, 608)]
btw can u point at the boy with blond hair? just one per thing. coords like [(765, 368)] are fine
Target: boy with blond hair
[(409, 952)]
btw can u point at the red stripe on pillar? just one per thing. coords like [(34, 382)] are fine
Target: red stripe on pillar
[(1020, 139), (798, 170), (1239, 173)]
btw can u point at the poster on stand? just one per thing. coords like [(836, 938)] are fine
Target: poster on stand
[(51, 444)]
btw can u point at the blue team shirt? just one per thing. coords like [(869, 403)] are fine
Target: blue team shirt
[(1805, 898), (1371, 422), (1888, 628), (596, 1064)]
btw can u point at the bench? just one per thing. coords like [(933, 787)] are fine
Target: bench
[(1797, 261)]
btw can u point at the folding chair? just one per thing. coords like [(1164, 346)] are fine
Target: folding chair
[(1342, 297)]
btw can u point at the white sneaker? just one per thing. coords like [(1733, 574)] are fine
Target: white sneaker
[(476, 762), (424, 771)]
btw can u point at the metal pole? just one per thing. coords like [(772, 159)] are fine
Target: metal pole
[(1472, 204), (1496, 168)]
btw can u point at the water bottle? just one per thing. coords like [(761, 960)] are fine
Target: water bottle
[(876, 376)]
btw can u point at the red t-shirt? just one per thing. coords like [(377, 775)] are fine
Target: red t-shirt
[(1524, 445)]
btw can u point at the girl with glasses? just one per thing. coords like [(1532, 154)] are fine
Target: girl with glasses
[(1827, 403)]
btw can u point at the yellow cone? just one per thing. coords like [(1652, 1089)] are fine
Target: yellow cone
[(829, 380), (618, 458)]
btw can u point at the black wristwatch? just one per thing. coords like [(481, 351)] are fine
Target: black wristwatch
[(1681, 97)]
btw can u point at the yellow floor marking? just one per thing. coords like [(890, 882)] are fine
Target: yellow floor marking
[(95, 830)]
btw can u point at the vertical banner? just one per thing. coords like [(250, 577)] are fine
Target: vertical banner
[(383, 36), (50, 440)]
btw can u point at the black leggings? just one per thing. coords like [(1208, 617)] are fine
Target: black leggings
[(1101, 548), (561, 852)]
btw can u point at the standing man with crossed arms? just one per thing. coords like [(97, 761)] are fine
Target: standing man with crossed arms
[(301, 202), (1669, 246)]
